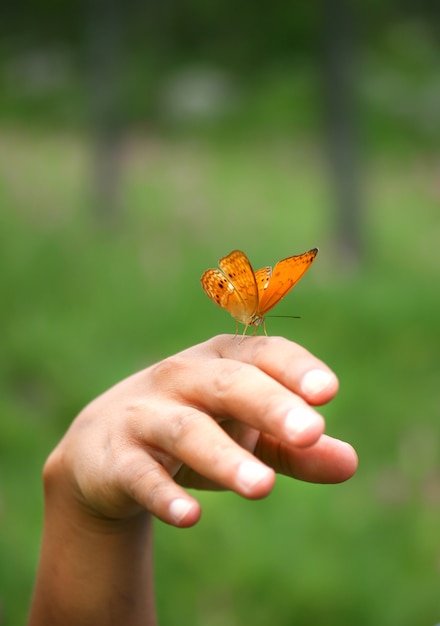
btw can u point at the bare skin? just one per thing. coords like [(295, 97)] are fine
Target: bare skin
[(220, 415)]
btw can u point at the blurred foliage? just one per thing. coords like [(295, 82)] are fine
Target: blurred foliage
[(224, 67), (222, 110)]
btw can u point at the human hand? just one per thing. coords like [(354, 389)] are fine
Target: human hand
[(222, 414)]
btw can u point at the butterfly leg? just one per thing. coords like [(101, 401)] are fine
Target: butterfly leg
[(244, 333)]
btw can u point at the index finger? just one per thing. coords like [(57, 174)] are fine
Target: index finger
[(285, 361)]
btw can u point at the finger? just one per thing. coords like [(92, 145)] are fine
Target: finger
[(246, 437), (228, 388), (196, 440), (287, 362), (328, 461), (146, 482)]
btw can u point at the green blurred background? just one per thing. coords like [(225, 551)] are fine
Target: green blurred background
[(141, 142)]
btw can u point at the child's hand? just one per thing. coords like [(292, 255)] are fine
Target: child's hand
[(222, 414)]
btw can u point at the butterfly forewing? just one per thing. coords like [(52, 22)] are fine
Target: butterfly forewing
[(285, 275)]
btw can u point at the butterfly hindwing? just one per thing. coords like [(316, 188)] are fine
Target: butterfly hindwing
[(233, 287), (262, 278), (216, 287)]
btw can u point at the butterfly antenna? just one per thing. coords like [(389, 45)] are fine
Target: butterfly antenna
[(293, 317)]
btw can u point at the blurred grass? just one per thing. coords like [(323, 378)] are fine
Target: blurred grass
[(83, 306)]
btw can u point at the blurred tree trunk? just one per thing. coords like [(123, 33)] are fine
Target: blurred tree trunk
[(340, 74), (106, 63)]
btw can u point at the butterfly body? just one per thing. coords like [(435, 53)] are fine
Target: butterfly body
[(249, 295)]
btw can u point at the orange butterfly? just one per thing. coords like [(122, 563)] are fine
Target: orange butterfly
[(249, 295)]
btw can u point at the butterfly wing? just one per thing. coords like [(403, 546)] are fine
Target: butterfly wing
[(286, 273), (233, 287), (262, 278)]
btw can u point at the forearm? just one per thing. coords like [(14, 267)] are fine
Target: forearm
[(93, 571)]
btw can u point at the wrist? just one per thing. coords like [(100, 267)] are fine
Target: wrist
[(89, 562)]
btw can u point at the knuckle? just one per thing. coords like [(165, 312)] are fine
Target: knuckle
[(119, 463), (182, 427), (265, 345), (226, 375), (144, 482), (166, 374)]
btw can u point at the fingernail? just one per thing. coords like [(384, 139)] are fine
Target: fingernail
[(298, 420), (179, 508), (250, 473), (315, 381)]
